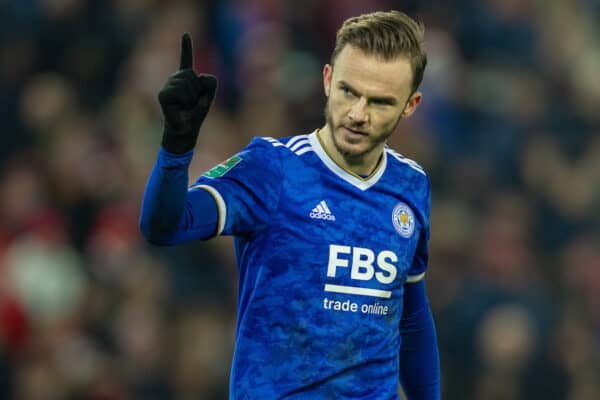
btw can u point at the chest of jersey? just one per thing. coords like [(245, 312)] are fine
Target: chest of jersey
[(362, 241)]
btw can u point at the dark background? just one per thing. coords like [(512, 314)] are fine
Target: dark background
[(508, 131)]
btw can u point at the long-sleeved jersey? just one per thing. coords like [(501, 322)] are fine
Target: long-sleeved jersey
[(323, 258)]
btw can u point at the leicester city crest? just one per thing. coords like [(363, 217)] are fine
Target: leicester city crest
[(403, 220)]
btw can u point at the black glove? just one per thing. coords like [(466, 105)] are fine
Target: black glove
[(185, 100)]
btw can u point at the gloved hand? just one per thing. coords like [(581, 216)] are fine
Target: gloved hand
[(185, 100)]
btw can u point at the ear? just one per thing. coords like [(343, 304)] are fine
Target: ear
[(411, 104), (327, 72)]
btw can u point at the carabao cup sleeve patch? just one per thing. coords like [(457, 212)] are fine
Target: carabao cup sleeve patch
[(221, 169)]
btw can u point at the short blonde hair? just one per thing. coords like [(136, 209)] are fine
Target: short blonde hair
[(388, 35)]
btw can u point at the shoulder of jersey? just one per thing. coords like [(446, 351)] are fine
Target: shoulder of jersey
[(404, 162), (298, 145)]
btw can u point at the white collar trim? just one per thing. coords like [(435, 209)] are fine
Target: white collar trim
[(362, 184)]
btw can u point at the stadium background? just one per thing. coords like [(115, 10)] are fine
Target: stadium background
[(508, 130)]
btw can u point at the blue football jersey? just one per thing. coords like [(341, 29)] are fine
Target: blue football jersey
[(323, 256)]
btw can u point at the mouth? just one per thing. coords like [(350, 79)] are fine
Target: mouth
[(354, 133)]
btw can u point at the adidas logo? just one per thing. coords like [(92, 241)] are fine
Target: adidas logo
[(321, 211)]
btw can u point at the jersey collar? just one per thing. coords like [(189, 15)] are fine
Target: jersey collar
[(351, 178)]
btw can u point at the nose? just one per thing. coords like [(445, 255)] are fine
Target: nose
[(358, 112)]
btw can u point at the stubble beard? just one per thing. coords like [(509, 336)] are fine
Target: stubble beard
[(349, 154)]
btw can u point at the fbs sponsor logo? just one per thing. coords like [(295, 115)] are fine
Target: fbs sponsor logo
[(321, 211), (367, 269)]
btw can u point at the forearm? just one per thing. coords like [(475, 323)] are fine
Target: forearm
[(164, 197), (170, 214), (419, 358)]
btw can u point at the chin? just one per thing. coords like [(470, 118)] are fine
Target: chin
[(350, 150)]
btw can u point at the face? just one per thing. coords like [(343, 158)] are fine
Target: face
[(366, 98)]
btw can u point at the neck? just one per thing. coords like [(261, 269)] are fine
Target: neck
[(362, 165)]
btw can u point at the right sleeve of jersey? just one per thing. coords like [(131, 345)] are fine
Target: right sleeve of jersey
[(421, 258), (246, 188)]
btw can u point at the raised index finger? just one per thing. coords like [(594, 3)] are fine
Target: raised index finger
[(187, 58)]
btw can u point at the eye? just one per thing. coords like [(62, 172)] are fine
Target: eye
[(347, 92), (382, 102), (378, 102)]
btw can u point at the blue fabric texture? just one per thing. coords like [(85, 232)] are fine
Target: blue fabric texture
[(323, 260), (170, 213), (419, 358)]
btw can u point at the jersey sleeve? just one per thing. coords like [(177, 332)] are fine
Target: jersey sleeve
[(421, 258), (245, 187)]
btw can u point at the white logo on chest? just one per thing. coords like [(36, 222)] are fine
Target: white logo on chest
[(365, 265), (322, 211)]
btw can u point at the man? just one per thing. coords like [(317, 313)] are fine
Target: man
[(330, 227)]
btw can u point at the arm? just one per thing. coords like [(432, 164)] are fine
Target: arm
[(170, 214), (419, 358)]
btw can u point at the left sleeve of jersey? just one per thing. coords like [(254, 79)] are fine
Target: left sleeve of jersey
[(419, 354), (245, 187), (421, 258)]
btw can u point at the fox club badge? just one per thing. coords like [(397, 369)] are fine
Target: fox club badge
[(403, 220)]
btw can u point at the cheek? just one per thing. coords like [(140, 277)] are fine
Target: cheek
[(389, 120), (336, 106)]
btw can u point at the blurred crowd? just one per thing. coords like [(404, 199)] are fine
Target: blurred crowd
[(509, 131)]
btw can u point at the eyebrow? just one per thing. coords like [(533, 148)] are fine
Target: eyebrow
[(381, 99)]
